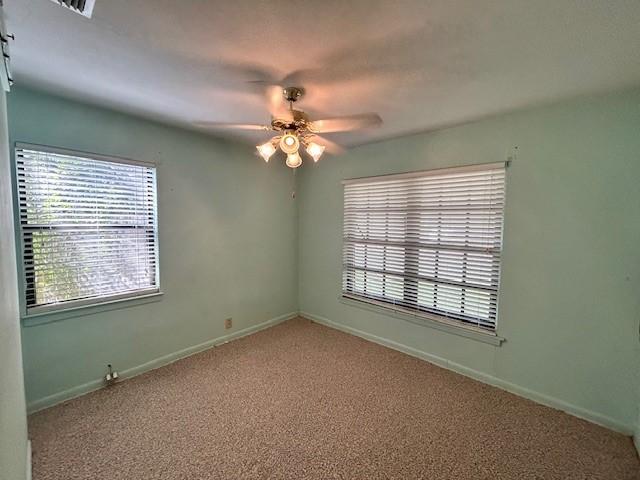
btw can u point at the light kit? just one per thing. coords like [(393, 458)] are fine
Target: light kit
[(289, 143)]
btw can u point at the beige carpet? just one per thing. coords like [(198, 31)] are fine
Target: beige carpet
[(302, 401)]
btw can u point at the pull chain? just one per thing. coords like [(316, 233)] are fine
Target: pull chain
[(293, 192)]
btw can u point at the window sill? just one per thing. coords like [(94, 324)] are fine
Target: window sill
[(40, 318), (431, 321)]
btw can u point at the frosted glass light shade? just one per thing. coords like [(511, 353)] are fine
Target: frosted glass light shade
[(289, 143), (315, 150), (294, 160), (266, 150)]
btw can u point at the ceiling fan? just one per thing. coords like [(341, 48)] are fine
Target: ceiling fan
[(295, 129)]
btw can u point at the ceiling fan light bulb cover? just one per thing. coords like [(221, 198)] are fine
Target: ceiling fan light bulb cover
[(315, 151), (294, 160), (266, 150), (289, 143)]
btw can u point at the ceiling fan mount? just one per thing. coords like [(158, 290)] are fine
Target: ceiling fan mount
[(292, 94)]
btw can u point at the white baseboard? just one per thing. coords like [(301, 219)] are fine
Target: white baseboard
[(537, 397), (28, 465), (85, 388), (636, 440)]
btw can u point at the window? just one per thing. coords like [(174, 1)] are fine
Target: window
[(427, 242), (88, 226)]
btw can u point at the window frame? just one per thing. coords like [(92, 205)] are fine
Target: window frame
[(86, 305), (425, 316)]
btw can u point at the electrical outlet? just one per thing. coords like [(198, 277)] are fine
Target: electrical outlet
[(228, 323), (111, 375)]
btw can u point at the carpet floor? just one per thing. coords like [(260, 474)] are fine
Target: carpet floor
[(303, 401)]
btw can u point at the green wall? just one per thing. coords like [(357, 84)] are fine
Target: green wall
[(569, 297), (636, 436), (227, 230), (234, 243), (13, 416)]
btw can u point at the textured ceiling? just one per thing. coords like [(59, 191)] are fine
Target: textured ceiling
[(420, 64)]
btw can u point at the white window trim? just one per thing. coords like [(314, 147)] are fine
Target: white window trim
[(81, 153), (90, 302), (478, 167), (39, 313), (430, 319)]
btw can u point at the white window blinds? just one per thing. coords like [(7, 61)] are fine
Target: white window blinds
[(427, 242), (88, 227)]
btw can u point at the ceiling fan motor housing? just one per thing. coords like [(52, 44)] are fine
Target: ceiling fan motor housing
[(297, 121)]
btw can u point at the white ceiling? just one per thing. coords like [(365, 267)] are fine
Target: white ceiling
[(420, 64)]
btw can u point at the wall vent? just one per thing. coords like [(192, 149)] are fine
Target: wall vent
[(83, 7)]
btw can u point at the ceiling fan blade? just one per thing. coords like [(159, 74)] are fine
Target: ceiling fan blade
[(330, 146), (273, 95), (275, 103), (297, 77), (346, 124), (235, 126)]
